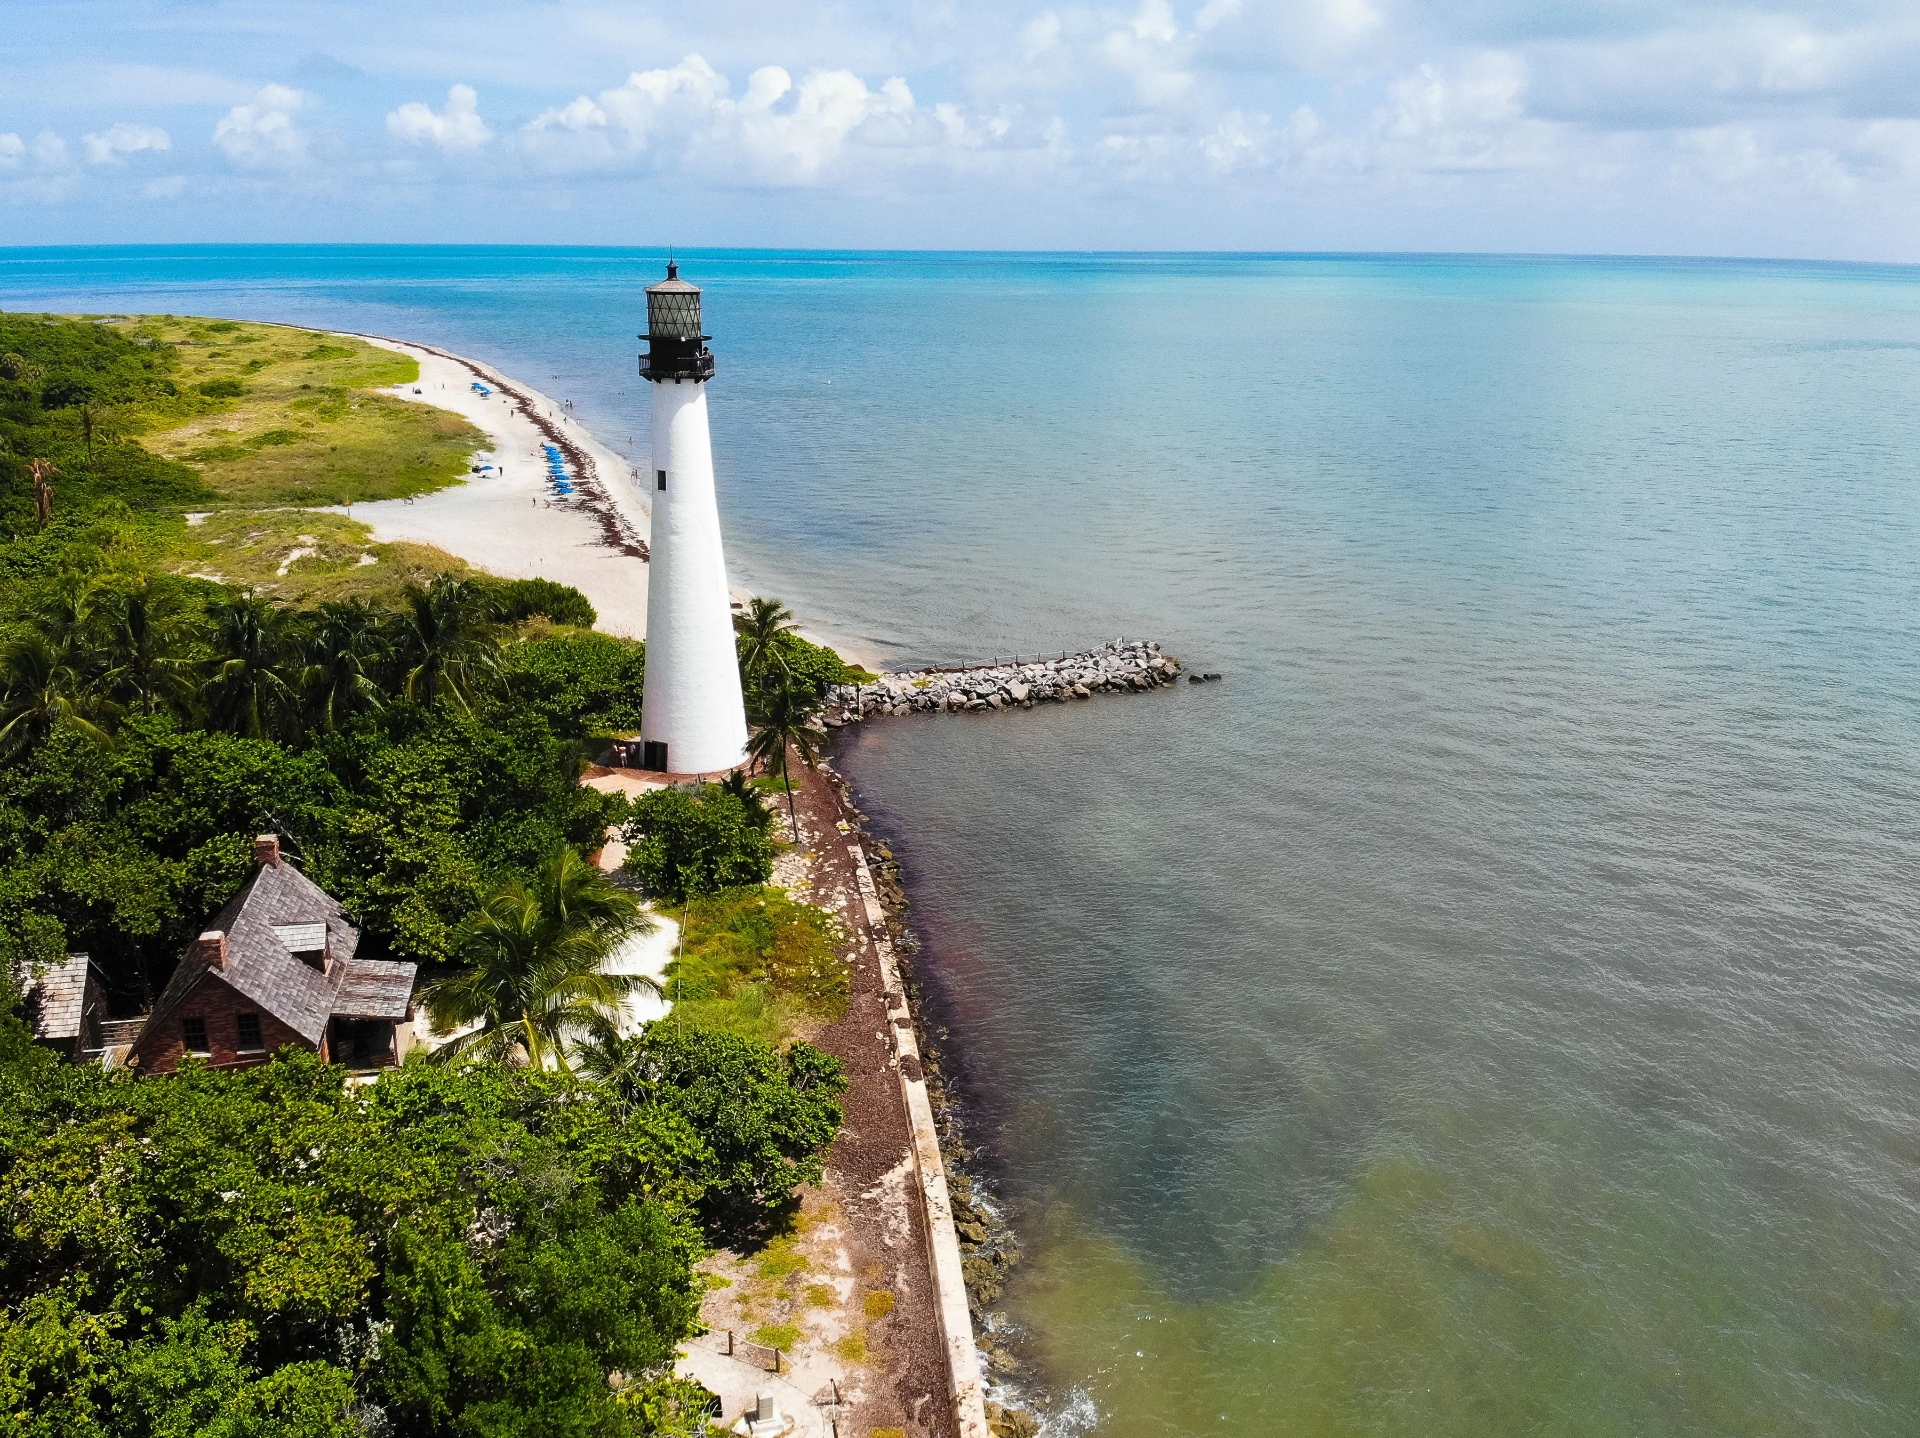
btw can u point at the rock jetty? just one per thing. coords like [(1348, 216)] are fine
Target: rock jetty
[(1121, 666)]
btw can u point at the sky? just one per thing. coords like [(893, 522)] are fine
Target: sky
[(1789, 129)]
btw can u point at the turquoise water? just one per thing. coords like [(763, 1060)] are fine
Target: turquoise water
[(1493, 1008)]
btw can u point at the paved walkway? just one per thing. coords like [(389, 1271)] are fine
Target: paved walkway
[(796, 1390)]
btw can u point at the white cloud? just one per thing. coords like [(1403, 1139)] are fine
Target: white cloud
[(1153, 54), (458, 127), (776, 133), (110, 145), (37, 170), (1308, 35), (1243, 141), (1095, 120), (1486, 90), (262, 132), (580, 114), (49, 151)]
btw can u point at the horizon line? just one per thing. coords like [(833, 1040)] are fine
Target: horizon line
[(25, 251)]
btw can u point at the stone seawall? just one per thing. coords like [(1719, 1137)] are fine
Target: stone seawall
[(1121, 666)]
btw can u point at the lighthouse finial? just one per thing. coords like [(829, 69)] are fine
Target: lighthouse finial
[(673, 270)]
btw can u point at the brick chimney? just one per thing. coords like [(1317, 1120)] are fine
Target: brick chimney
[(211, 947), (266, 849)]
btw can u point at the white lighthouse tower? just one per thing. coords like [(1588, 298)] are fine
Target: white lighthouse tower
[(692, 720)]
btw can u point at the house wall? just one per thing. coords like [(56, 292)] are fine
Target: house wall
[(93, 1010), (213, 1000)]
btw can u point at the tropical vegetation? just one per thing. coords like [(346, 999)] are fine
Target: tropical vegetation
[(497, 1241), (683, 843), (531, 979), (474, 1250)]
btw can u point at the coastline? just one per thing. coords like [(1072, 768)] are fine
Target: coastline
[(886, 1174), (508, 520)]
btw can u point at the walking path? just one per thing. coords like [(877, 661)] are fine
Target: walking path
[(868, 1231)]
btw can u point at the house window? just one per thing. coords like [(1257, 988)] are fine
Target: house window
[(660, 480), (194, 1031), (249, 1033)]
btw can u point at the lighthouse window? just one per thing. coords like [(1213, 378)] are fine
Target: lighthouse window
[(660, 479)]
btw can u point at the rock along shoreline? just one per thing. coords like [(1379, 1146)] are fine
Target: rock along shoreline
[(1123, 665)]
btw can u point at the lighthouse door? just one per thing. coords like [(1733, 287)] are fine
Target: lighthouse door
[(654, 756)]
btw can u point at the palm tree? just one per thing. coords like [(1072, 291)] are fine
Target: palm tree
[(43, 471), (449, 644), (741, 787), (247, 689), (612, 1062), (143, 640), (348, 642), (534, 954), (63, 613), (782, 715), (760, 630), (41, 688)]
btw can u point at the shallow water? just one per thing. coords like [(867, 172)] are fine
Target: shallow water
[(1493, 1007)]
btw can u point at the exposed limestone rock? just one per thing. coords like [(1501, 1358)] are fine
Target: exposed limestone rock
[(1124, 666)]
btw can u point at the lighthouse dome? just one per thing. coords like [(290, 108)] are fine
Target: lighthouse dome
[(673, 308), (677, 348)]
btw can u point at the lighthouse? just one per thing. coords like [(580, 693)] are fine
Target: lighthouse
[(692, 720)]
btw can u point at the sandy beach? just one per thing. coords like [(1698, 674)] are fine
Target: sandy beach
[(507, 519)]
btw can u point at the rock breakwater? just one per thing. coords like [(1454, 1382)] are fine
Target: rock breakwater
[(1124, 665)]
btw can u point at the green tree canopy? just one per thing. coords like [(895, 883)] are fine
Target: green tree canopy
[(681, 844), (533, 955), (469, 1251)]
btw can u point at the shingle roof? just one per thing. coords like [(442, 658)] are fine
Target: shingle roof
[(374, 989), (55, 998), (260, 966)]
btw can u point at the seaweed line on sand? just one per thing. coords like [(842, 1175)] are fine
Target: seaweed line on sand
[(590, 495)]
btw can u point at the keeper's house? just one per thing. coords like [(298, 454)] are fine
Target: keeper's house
[(277, 968), (67, 1006)]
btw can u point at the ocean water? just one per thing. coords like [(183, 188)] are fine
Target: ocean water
[(1493, 1008)]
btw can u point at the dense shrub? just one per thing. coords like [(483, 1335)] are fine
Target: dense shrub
[(89, 363), (584, 683), (682, 844), (814, 664), (48, 370), (125, 850), (766, 1115), (518, 599)]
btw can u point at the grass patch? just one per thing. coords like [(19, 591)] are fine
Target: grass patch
[(819, 1295), (781, 1260), (853, 1349), (273, 415), (783, 1336), (880, 1303), (304, 557), (754, 962)]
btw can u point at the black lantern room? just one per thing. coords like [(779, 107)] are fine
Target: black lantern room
[(677, 348)]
